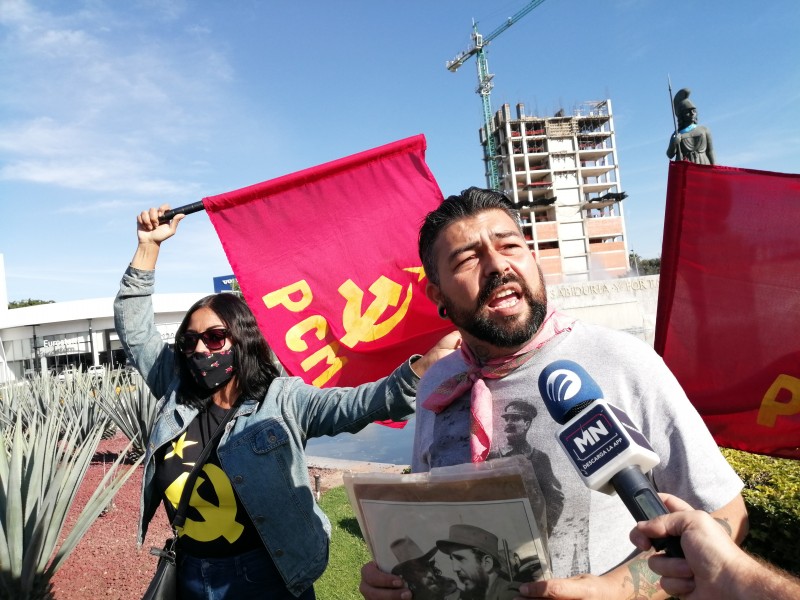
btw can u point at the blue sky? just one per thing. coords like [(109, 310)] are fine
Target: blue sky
[(108, 107)]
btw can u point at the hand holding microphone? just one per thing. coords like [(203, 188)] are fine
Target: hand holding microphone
[(607, 450), (714, 567)]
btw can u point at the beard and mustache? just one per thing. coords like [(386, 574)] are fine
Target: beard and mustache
[(510, 331)]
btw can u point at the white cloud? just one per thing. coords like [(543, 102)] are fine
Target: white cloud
[(13, 11), (97, 175), (128, 206), (167, 10), (95, 103), (68, 156)]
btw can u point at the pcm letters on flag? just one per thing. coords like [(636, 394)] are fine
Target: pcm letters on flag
[(729, 302), (327, 260)]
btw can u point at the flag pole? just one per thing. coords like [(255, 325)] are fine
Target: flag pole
[(187, 209), (674, 120)]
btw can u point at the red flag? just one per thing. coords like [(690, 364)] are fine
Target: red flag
[(729, 302), (327, 260)]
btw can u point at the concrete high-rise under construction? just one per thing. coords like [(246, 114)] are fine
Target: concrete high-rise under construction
[(563, 175)]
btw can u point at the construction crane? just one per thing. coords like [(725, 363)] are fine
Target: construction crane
[(485, 84)]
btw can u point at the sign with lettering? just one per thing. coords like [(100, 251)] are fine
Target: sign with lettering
[(62, 345), (225, 283), (610, 288)]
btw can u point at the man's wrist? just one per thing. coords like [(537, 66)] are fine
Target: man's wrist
[(752, 580)]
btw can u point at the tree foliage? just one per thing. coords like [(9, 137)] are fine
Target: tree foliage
[(28, 302), (644, 266)]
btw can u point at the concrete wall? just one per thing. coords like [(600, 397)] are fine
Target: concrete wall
[(627, 303)]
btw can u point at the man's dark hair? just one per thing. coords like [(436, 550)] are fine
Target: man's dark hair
[(480, 555), (470, 202), (524, 409), (252, 358)]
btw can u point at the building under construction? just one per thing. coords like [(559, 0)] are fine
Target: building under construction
[(563, 175)]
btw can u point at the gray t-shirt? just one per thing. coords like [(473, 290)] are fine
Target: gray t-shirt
[(590, 534)]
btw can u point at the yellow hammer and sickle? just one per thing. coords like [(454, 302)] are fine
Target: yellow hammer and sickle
[(362, 327), (218, 521)]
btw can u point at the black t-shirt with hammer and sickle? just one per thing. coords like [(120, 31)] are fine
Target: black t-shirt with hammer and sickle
[(217, 524)]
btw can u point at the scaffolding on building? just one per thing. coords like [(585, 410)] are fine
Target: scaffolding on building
[(562, 172)]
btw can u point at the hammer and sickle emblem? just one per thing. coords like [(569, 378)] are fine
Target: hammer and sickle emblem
[(218, 520), (363, 327)]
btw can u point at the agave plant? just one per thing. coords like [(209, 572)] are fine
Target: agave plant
[(37, 396), (9, 402), (24, 399), (77, 395), (131, 406), (44, 455)]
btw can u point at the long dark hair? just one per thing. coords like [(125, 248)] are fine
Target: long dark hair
[(252, 357)]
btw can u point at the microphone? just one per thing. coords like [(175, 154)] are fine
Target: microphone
[(607, 450)]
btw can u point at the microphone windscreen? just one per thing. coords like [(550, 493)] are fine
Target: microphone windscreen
[(566, 388)]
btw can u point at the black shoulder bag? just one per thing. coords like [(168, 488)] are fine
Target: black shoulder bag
[(164, 585)]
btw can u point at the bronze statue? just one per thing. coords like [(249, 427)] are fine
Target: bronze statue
[(691, 141)]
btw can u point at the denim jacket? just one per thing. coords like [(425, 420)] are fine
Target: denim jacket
[(262, 447)]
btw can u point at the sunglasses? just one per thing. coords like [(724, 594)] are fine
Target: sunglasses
[(213, 339)]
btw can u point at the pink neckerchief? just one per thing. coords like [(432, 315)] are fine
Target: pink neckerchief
[(554, 324)]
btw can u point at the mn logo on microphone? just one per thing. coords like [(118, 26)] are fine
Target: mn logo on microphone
[(593, 440), (592, 435)]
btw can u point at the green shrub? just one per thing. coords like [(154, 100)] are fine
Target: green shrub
[(772, 495)]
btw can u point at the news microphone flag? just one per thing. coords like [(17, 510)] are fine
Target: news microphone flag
[(606, 449), (729, 302), (327, 260)]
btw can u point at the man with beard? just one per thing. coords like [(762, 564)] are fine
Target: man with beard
[(420, 572), (476, 562), (483, 276)]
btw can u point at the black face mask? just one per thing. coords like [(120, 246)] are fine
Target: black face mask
[(212, 369)]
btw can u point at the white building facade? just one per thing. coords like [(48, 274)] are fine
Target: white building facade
[(54, 337)]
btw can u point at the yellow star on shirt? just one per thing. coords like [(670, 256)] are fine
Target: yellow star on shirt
[(178, 446)]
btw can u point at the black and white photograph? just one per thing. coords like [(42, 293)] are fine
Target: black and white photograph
[(471, 535)]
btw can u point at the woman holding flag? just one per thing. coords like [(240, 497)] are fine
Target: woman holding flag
[(252, 528)]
